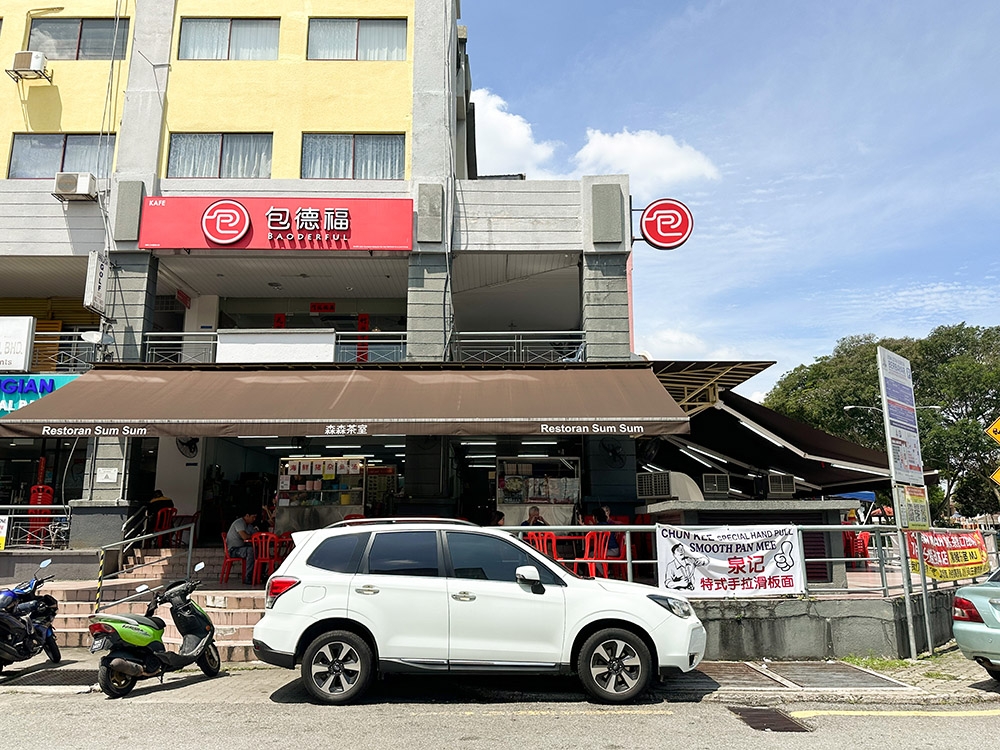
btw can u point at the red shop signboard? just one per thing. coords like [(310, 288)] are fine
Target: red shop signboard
[(277, 223)]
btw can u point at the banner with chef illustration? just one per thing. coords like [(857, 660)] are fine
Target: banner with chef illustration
[(730, 561)]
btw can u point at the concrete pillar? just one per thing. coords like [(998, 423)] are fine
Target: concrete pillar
[(429, 311), (605, 306)]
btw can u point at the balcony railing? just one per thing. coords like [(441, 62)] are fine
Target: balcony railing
[(62, 352), (200, 347), (526, 347)]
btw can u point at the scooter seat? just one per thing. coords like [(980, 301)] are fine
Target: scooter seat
[(149, 622)]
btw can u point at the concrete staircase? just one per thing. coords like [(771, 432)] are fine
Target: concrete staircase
[(233, 607)]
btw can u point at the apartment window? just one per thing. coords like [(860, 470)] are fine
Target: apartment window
[(357, 39), (358, 157), (232, 155), (37, 155), (79, 38), (229, 39)]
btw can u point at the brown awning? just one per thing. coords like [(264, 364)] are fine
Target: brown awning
[(213, 401)]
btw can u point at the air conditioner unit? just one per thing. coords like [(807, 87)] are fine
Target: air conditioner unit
[(780, 485), (715, 485), (653, 485), (29, 62), (75, 186)]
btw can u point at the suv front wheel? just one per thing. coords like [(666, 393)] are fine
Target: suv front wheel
[(337, 667), (614, 665)]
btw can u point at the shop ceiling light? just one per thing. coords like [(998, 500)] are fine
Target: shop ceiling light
[(762, 434), (532, 455), (280, 447), (480, 442), (539, 442), (394, 445), (710, 455), (258, 437), (694, 457), (344, 447)]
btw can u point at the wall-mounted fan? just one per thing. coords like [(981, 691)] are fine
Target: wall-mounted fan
[(614, 454), (188, 446)]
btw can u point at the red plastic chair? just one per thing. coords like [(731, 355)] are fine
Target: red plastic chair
[(265, 554), (595, 552), (227, 563), (164, 521), (544, 542), (861, 547), (285, 545)]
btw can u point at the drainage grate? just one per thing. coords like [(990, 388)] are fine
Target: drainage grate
[(53, 677), (712, 676), (768, 720), (813, 674)]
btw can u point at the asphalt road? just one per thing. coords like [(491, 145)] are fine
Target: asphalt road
[(268, 708)]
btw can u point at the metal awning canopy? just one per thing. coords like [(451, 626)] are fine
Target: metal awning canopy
[(696, 386), (251, 400)]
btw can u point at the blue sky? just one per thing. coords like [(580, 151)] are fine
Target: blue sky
[(841, 160)]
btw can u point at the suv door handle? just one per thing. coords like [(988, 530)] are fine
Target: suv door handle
[(367, 590), (464, 596)]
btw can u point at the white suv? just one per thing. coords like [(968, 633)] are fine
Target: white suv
[(425, 595)]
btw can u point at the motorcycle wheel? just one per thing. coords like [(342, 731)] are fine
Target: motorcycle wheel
[(52, 649), (115, 684), (209, 661)]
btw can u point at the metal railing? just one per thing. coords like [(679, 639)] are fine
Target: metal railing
[(524, 347), (880, 573), (176, 532), (62, 352), (36, 526), (200, 347)]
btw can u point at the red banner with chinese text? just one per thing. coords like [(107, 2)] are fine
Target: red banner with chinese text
[(949, 556)]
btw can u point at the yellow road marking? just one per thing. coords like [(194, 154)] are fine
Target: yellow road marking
[(552, 712), (810, 714)]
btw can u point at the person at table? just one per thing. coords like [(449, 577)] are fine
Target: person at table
[(158, 502), (603, 517), (238, 541), (534, 517), (498, 518)]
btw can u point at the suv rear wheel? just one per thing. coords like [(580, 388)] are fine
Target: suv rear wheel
[(614, 665), (337, 667)]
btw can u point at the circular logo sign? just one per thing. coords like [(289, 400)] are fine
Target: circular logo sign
[(225, 222), (666, 224)]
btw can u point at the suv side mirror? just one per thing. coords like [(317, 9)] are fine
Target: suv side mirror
[(45, 563), (527, 574)]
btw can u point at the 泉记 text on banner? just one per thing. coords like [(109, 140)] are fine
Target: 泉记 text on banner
[(730, 561)]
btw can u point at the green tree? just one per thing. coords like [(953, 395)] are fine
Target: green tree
[(956, 368)]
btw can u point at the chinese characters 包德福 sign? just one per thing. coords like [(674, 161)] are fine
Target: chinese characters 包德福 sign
[(206, 222)]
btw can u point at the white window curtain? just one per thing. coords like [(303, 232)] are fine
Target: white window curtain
[(100, 41), (379, 157), (254, 39), (246, 155), (35, 155), (204, 39), (194, 155), (89, 153), (327, 156), (56, 38), (332, 39), (382, 39)]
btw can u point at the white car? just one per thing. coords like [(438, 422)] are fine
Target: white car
[(433, 596)]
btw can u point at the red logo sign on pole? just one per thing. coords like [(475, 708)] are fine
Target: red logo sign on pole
[(666, 224)]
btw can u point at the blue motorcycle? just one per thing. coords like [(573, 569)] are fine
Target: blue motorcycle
[(26, 621)]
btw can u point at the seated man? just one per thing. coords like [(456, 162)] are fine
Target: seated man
[(238, 541), (534, 517)]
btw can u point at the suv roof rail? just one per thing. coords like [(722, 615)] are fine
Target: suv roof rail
[(401, 519)]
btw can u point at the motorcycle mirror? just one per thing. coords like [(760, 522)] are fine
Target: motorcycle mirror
[(45, 563), (199, 566), (141, 589)]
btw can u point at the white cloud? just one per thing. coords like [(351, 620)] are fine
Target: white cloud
[(654, 161), (505, 144), (505, 141), (680, 344)]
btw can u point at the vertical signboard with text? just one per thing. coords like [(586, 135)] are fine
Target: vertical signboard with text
[(902, 440)]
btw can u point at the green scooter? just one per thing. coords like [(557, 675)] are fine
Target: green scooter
[(136, 642)]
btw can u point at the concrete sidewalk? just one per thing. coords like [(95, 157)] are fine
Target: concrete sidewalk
[(946, 678)]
